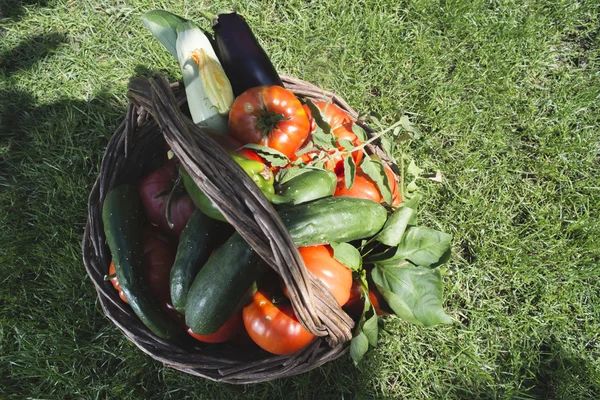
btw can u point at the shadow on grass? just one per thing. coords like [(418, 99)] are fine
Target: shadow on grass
[(30, 51), (561, 374), (14, 9)]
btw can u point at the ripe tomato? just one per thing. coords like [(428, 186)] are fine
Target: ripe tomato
[(365, 188), (354, 306), (275, 328), (154, 189), (115, 281), (341, 126), (230, 329), (335, 276), (271, 116), (334, 115)]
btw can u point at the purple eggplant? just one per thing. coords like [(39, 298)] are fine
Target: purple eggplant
[(244, 60)]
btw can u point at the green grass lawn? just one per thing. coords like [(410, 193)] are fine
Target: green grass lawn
[(507, 96)]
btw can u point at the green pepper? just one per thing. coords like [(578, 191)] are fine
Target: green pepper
[(257, 171)]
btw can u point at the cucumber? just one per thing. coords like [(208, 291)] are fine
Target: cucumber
[(199, 237), (333, 219), (311, 185), (123, 220), (221, 285)]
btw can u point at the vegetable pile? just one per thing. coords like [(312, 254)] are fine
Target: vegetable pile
[(184, 270)]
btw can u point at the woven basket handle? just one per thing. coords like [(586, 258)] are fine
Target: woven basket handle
[(245, 207)]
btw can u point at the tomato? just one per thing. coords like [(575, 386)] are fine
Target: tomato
[(381, 306), (154, 189), (355, 305), (115, 281), (230, 329), (275, 328), (271, 116), (334, 115), (312, 124), (335, 276), (365, 188), (341, 127)]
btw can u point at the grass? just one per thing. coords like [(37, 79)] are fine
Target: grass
[(507, 96)]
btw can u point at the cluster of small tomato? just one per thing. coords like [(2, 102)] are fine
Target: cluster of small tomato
[(273, 117)]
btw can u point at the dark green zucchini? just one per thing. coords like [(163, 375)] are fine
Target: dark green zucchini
[(221, 285), (123, 220), (199, 237)]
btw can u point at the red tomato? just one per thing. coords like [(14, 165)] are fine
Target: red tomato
[(335, 276), (355, 305), (230, 329), (341, 126), (365, 188), (275, 328), (271, 116), (334, 115), (154, 190), (115, 281)]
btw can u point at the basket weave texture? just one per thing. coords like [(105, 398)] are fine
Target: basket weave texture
[(154, 116)]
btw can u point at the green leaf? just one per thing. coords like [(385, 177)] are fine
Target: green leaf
[(371, 329), (346, 144), (163, 26), (359, 347), (376, 171), (395, 226), (347, 255), (414, 293), (274, 157), (349, 171), (421, 246), (306, 149), (286, 174), (388, 146), (413, 202), (409, 127), (323, 139), (413, 169), (360, 132), (323, 136)]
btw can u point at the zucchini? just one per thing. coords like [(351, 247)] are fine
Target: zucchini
[(199, 237), (221, 285), (333, 219), (123, 220), (311, 185)]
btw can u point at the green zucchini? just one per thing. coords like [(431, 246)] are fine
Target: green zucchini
[(311, 185), (199, 237), (333, 219), (123, 220), (221, 285)]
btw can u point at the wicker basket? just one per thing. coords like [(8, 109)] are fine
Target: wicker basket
[(136, 149)]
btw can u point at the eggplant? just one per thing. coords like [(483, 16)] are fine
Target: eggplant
[(244, 60)]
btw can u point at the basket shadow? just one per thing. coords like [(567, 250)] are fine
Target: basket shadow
[(30, 51), (14, 9), (560, 370)]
